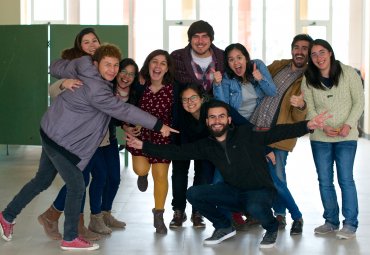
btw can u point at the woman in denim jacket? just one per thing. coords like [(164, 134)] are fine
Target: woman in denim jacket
[(245, 81)]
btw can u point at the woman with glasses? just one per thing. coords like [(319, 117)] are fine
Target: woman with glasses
[(331, 86)]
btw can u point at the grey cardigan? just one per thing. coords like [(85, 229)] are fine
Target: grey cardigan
[(77, 121)]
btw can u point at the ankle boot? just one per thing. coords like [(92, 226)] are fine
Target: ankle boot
[(112, 222), (84, 232), (159, 225), (97, 224), (49, 220)]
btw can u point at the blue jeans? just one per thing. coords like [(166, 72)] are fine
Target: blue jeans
[(203, 174), (113, 179), (105, 179), (284, 198), (211, 200), (343, 154), (51, 163)]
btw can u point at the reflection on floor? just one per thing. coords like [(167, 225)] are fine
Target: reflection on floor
[(135, 207)]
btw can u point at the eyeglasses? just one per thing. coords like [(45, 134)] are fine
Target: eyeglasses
[(192, 99), (131, 75), (321, 53)]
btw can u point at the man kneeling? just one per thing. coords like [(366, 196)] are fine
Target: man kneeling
[(239, 154)]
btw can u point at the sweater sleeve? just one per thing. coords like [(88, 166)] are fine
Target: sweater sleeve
[(357, 95), (308, 97), (54, 89)]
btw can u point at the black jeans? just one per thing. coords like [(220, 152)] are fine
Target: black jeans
[(203, 174), (213, 200)]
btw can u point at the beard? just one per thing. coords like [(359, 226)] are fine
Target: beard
[(218, 133), (300, 64)]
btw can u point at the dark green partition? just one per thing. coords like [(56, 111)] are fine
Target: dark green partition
[(23, 82), (63, 36), (24, 73)]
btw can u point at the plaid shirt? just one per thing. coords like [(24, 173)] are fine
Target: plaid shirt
[(266, 113), (184, 72), (205, 77)]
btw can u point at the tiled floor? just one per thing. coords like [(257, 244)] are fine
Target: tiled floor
[(134, 208)]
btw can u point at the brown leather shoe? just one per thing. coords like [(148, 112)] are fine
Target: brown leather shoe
[(179, 217), (197, 220)]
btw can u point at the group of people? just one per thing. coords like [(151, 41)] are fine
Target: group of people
[(237, 118)]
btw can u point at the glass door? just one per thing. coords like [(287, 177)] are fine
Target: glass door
[(314, 17), (180, 14)]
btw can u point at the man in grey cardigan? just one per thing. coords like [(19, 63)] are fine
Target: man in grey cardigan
[(71, 131)]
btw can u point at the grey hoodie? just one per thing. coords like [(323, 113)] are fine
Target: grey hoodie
[(78, 121)]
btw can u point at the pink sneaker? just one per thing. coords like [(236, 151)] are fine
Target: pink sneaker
[(6, 228), (78, 244)]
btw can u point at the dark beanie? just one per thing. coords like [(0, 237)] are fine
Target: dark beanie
[(200, 26)]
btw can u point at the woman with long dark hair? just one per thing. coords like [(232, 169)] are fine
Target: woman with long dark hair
[(331, 86)]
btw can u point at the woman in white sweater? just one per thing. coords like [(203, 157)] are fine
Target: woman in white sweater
[(331, 86)]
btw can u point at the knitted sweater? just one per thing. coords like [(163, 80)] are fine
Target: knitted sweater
[(345, 102)]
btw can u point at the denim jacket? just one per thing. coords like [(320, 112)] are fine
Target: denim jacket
[(230, 90)]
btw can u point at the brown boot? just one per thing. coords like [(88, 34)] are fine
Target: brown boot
[(112, 222), (97, 224), (159, 225), (84, 232), (49, 220)]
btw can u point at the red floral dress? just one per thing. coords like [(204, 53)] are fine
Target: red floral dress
[(160, 105)]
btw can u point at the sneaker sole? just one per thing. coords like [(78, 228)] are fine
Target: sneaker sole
[(267, 246), (231, 234), (324, 233), (3, 236), (295, 233), (92, 248), (345, 237), (199, 226), (175, 226)]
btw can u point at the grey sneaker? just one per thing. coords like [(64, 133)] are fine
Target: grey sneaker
[(269, 240), (346, 233), (325, 229), (220, 234)]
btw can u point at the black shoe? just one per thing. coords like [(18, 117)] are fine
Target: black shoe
[(269, 240), (220, 234), (297, 227), (179, 217), (142, 183)]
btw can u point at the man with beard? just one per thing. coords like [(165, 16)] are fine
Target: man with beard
[(287, 106), (239, 154), (195, 63)]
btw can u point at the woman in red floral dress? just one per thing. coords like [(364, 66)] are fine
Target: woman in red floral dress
[(158, 98)]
